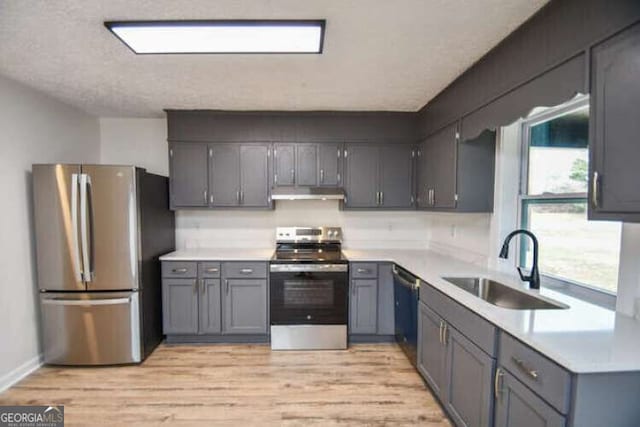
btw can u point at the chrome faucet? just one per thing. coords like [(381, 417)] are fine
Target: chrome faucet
[(534, 277)]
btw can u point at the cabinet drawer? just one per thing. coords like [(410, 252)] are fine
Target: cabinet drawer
[(179, 269), (245, 270), (209, 269), (540, 374), (364, 270), (472, 326)]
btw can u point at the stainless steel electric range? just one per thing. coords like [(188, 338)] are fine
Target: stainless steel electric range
[(309, 289)]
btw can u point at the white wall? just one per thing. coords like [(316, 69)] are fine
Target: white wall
[(34, 128), (140, 142)]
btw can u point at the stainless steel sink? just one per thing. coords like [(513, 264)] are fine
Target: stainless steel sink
[(502, 295)]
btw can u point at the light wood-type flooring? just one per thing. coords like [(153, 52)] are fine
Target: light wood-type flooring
[(240, 385)]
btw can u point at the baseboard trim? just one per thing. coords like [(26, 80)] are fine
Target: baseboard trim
[(17, 374)]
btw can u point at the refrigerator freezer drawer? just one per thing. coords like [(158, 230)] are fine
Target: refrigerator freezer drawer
[(91, 329)]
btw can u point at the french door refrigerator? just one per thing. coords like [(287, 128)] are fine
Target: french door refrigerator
[(99, 231)]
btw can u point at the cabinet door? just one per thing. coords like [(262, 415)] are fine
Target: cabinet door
[(284, 164), (615, 101), (245, 306), (468, 386), (386, 302), (224, 176), (364, 306), (329, 165), (424, 180), (254, 170), (188, 171), (431, 351), (306, 165), (396, 176), (361, 176), (442, 158), (517, 406), (210, 308), (180, 306)]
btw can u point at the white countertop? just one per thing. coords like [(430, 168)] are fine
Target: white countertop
[(584, 338), (220, 254)]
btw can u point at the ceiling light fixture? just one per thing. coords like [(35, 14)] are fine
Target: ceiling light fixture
[(220, 36)]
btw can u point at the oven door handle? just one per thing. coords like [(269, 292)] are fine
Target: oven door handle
[(309, 268)]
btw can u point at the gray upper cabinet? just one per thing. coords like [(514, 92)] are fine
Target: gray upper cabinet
[(329, 156), (254, 175), (615, 99), (245, 306), (379, 176), (180, 306), (307, 165), (396, 176), (456, 175), (284, 168), (224, 176), (517, 406), (188, 170), (361, 176)]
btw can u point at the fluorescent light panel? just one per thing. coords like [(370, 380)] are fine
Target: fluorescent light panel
[(220, 36)]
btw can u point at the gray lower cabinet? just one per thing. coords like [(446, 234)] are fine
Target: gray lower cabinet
[(214, 299), (517, 406), (363, 306), (431, 352), (379, 176), (615, 98), (245, 306), (188, 171), (210, 307), (180, 306)]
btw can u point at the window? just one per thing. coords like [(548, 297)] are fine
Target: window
[(553, 202)]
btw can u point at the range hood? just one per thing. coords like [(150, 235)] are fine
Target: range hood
[(307, 193)]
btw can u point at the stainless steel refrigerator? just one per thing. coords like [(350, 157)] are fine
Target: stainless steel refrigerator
[(99, 231)]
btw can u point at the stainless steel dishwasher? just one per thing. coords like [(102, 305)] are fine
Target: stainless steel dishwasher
[(406, 290)]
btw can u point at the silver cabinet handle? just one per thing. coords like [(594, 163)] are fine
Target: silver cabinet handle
[(522, 365), (246, 270), (226, 285), (382, 197), (195, 286), (363, 270), (322, 175), (441, 328), (211, 198), (213, 270), (497, 389), (203, 287), (293, 175), (204, 195), (238, 196), (594, 189), (241, 197), (445, 329), (179, 270)]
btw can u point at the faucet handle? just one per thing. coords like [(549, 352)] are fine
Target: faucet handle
[(522, 276)]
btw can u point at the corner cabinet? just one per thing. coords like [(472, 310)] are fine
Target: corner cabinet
[(614, 192), (455, 175), (219, 175), (307, 165), (379, 176)]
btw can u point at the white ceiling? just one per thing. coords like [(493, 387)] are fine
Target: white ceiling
[(378, 54)]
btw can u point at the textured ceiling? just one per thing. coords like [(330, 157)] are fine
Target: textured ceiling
[(378, 54)]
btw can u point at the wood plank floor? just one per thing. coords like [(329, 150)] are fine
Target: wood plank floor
[(372, 385)]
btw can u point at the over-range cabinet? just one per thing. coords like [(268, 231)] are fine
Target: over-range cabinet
[(99, 232)]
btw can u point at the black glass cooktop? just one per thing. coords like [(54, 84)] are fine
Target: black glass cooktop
[(308, 252)]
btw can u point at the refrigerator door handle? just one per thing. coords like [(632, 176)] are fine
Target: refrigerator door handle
[(85, 182), (86, 302), (77, 269)]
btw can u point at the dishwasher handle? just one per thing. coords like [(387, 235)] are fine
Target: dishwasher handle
[(406, 279)]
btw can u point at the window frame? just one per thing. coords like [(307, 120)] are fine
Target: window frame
[(580, 290)]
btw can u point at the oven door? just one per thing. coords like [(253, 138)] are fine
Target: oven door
[(309, 294)]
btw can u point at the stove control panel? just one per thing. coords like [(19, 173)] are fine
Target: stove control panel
[(308, 234)]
